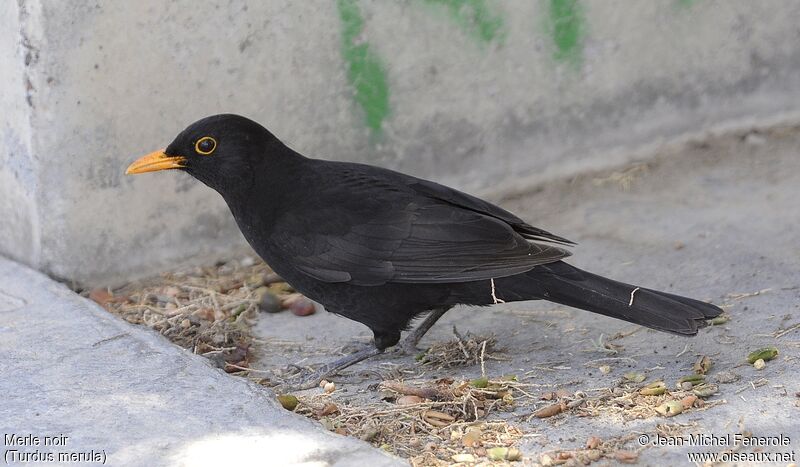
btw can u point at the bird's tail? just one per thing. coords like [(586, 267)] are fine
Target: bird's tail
[(568, 285)]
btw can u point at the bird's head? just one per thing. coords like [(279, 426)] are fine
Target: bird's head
[(220, 151)]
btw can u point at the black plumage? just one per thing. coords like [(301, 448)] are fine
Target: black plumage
[(383, 248)]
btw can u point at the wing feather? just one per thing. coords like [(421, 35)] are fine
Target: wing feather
[(388, 227)]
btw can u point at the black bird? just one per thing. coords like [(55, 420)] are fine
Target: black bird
[(383, 248)]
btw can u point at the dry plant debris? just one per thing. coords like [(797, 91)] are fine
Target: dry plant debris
[(445, 420), (205, 309), (208, 311), (461, 351)]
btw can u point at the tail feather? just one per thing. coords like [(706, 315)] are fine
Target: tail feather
[(571, 286)]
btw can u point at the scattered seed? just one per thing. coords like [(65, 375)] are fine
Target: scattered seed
[(702, 365), (627, 457), (438, 419), (472, 438), (593, 442), (634, 377), (705, 390), (721, 319), (693, 379), (550, 410), (302, 306), (575, 403), (766, 354), (327, 409), (653, 389), (670, 408), (288, 401), (688, 401), (503, 454), (463, 458), (407, 390), (268, 302), (408, 400), (725, 377), (481, 382)]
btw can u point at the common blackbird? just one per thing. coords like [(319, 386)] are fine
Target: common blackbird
[(383, 248)]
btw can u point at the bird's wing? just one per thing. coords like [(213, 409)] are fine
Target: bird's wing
[(466, 201), (371, 230)]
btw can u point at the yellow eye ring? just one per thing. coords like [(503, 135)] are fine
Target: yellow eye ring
[(205, 145)]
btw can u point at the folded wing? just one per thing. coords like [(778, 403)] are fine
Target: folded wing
[(406, 232)]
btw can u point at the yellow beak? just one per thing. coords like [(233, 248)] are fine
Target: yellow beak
[(156, 160)]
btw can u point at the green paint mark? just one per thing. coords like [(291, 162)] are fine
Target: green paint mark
[(475, 17), (566, 17), (685, 3), (365, 71)]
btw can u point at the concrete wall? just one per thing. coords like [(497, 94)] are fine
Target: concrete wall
[(474, 93)]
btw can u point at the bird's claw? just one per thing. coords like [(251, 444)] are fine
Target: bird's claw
[(303, 378), (408, 348)]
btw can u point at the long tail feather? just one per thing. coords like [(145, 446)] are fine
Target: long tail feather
[(568, 285)]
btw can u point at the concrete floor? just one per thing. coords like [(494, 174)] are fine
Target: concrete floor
[(80, 386), (709, 220)]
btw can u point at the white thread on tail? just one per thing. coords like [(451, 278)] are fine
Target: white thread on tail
[(494, 297), (633, 292)]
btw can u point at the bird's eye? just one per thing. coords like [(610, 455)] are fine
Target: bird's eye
[(205, 145)]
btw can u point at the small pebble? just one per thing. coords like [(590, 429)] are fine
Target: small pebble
[(329, 388), (605, 369), (759, 364)]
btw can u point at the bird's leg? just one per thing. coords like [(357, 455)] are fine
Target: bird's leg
[(409, 344), (312, 379), (307, 379)]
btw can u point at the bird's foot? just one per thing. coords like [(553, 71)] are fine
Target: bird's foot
[(305, 378), (409, 348)]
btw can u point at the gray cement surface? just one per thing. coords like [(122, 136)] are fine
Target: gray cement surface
[(712, 220), (80, 382)]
